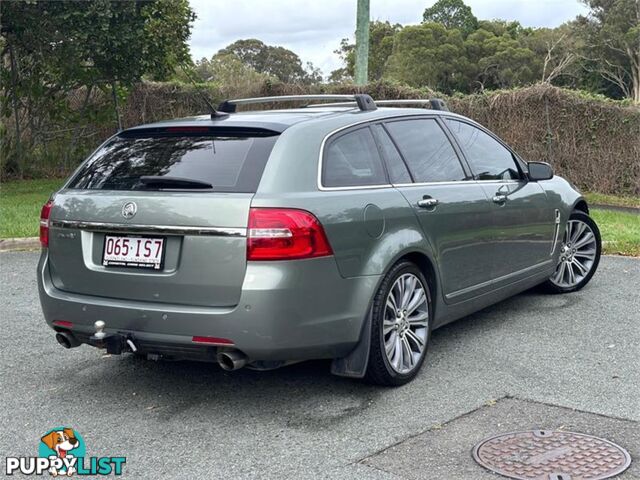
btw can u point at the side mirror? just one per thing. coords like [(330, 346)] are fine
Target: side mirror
[(539, 171)]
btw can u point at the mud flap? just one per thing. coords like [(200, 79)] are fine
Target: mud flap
[(354, 365)]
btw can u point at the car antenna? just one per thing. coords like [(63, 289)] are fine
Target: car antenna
[(203, 96)]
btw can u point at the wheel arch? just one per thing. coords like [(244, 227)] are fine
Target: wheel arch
[(355, 364), (582, 206), (427, 267)]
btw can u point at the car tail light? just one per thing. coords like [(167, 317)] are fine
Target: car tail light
[(285, 234), (44, 223)]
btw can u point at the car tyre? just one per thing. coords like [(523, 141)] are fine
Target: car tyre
[(584, 252), (404, 298)]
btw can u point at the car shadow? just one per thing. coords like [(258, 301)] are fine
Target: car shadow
[(303, 395)]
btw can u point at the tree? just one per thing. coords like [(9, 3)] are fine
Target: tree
[(129, 39), (451, 14), (54, 48), (429, 55), (231, 74), (275, 61), (505, 27), (611, 33), (313, 75), (340, 75), (510, 65), (499, 61), (381, 35), (203, 70), (252, 52), (555, 54)]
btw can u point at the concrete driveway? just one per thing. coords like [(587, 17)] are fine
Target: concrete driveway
[(528, 362)]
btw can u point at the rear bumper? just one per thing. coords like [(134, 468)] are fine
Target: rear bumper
[(295, 310)]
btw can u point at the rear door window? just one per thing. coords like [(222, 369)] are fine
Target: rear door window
[(352, 160), (227, 163), (398, 172), (427, 150)]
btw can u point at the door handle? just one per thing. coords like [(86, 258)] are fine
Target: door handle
[(501, 195), (428, 202)]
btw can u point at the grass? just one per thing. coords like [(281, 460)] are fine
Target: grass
[(615, 200), (620, 231), (20, 204)]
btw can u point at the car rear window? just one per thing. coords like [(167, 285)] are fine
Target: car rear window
[(352, 159), (227, 163)]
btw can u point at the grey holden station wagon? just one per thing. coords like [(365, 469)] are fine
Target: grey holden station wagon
[(343, 231)]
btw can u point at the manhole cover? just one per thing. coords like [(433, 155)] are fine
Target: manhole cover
[(551, 455)]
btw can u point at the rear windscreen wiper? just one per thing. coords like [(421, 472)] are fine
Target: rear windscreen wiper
[(173, 182)]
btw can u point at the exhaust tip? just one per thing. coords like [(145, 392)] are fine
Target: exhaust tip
[(63, 340), (231, 360), (67, 340), (225, 361)]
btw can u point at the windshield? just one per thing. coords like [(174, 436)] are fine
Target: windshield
[(227, 164)]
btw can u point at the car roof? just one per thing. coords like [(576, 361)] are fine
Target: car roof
[(281, 119)]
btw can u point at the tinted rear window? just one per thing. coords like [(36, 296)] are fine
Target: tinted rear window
[(228, 163), (427, 150), (352, 159), (396, 167)]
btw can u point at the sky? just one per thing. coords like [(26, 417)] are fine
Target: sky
[(313, 29)]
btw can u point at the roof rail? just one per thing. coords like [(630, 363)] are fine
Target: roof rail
[(434, 103), (362, 100)]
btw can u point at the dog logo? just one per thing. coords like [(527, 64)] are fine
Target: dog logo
[(59, 443), (129, 209)]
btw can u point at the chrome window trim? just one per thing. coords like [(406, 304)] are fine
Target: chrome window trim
[(434, 184), (149, 229), (453, 182), (511, 180), (389, 185), (355, 187)]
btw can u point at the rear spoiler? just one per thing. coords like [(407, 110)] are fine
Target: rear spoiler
[(197, 130)]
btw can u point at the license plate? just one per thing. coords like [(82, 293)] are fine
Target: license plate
[(138, 252)]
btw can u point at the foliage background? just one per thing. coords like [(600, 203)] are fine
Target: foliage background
[(592, 141), (74, 71)]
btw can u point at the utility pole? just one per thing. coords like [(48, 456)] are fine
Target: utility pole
[(362, 43)]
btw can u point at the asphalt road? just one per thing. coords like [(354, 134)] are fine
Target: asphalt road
[(189, 420)]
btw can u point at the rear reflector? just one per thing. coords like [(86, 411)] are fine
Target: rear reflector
[(44, 223), (212, 340), (285, 234), (63, 323)]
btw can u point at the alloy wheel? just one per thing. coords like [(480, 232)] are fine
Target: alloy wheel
[(577, 254), (405, 324)]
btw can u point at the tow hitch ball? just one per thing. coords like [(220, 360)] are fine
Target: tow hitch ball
[(115, 343)]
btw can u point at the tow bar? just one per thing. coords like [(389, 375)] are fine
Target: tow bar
[(114, 343)]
